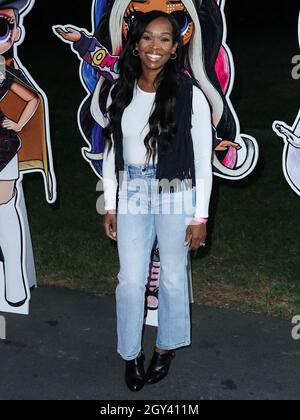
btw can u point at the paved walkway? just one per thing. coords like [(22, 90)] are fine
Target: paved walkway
[(65, 349)]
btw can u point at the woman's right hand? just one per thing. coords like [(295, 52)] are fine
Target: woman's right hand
[(110, 224), (68, 33)]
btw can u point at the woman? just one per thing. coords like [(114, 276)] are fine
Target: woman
[(155, 113)]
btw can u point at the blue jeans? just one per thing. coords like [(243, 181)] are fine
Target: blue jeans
[(136, 232)]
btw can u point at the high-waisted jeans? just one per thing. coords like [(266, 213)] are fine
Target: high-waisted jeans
[(142, 215)]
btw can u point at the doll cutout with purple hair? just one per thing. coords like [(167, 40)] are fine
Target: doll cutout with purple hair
[(24, 148)]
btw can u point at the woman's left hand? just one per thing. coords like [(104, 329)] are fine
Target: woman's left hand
[(195, 235), (11, 125), (225, 144)]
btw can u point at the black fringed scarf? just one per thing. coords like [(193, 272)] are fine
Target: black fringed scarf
[(177, 164)]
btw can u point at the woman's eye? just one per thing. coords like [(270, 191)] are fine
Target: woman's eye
[(146, 37), (166, 40)]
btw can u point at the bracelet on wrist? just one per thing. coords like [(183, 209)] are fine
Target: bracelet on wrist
[(201, 220)]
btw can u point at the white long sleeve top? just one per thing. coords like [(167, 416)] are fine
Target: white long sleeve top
[(135, 127)]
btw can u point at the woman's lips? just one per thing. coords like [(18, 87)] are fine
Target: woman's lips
[(154, 57)]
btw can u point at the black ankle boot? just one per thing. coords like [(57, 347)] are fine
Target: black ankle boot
[(159, 366), (135, 373)]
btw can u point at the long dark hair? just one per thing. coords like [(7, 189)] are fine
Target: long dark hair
[(162, 121)]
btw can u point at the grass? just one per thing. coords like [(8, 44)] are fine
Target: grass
[(252, 260)]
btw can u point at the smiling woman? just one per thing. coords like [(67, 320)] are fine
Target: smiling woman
[(150, 118), (155, 48), (137, 120)]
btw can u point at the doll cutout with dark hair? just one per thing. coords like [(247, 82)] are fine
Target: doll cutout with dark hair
[(207, 59), (206, 56), (24, 148), (201, 23), (291, 152)]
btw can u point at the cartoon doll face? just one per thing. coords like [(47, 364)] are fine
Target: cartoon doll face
[(175, 7), (9, 30)]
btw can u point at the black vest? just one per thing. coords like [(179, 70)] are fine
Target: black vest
[(178, 162)]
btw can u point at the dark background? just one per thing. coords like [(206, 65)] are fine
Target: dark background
[(266, 13), (259, 15)]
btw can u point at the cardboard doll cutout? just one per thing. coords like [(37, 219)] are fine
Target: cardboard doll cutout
[(291, 151), (203, 30), (24, 148)]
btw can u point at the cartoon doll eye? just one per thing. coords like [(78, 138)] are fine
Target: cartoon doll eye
[(129, 20), (183, 20), (5, 29)]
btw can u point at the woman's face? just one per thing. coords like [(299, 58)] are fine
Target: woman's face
[(175, 7), (156, 44)]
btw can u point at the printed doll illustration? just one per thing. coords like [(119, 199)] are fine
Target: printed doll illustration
[(24, 148), (207, 57), (291, 152)]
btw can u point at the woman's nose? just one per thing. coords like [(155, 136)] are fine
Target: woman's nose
[(155, 43)]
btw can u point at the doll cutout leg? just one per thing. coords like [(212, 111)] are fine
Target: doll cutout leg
[(11, 246), (29, 266)]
